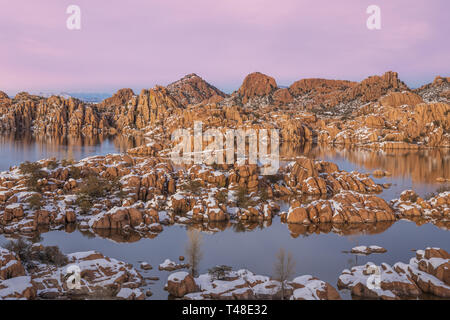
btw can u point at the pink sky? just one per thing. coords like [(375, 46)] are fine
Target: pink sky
[(138, 44)]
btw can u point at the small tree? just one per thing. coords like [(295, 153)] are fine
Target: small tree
[(284, 268), (243, 199), (193, 250), (35, 201), (192, 186), (33, 173), (219, 272)]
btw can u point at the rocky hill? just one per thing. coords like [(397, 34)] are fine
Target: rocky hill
[(378, 112), (191, 89)]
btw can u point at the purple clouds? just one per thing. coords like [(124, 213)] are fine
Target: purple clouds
[(139, 44)]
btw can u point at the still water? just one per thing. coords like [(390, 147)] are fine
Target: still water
[(15, 149), (321, 254)]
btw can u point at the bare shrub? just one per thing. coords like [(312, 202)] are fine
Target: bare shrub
[(33, 173), (74, 172), (284, 269), (84, 202), (35, 201), (94, 187), (53, 255), (48, 255), (21, 248), (52, 164), (193, 186)]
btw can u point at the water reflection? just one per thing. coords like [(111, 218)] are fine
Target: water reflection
[(297, 230), (419, 165), (320, 254), (16, 148), (409, 169)]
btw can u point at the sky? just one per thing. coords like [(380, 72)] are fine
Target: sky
[(141, 43)]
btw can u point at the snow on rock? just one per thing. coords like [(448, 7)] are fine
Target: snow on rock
[(17, 288), (181, 283), (309, 288), (101, 277), (130, 294), (244, 285), (169, 265), (428, 272), (146, 266), (411, 205), (178, 276), (366, 250), (10, 265)]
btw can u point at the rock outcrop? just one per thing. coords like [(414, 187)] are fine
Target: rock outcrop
[(366, 250), (244, 285), (100, 277), (410, 205), (256, 85), (427, 273), (191, 89), (346, 207), (10, 265), (380, 112)]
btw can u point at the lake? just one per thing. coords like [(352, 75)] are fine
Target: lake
[(320, 254)]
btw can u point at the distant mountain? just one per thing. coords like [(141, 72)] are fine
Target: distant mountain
[(92, 97), (65, 95)]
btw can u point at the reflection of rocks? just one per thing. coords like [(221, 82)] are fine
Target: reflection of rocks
[(244, 285), (427, 273), (71, 143), (119, 236), (400, 163), (304, 230)]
